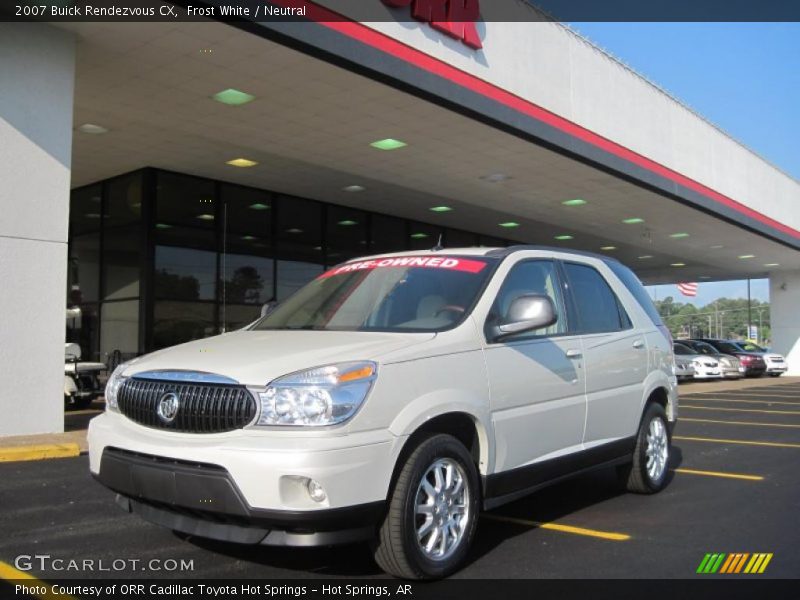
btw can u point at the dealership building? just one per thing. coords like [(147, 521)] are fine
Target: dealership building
[(169, 178)]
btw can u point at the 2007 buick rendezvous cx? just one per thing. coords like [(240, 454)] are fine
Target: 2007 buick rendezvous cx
[(394, 398)]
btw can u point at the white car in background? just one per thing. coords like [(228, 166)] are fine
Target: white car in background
[(776, 363), (705, 367)]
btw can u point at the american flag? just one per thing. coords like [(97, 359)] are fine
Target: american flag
[(688, 289)]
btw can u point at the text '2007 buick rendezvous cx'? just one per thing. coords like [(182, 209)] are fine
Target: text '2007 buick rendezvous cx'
[(392, 399)]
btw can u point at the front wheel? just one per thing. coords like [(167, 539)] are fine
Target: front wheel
[(647, 474), (433, 512)]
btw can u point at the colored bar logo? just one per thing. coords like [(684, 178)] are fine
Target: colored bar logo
[(741, 562)]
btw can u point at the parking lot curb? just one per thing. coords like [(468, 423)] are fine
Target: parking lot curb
[(38, 452)]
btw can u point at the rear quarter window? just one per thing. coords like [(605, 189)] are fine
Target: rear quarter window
[(635, 287)]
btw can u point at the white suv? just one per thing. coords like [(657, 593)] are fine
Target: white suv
[(393, 399)]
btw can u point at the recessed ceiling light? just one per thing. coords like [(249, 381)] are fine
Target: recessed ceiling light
[(163, 226), (248, 238), (496, 177), (717, 247), (206, 217), (563, 237), (317, 248), (233, 97), (259, 206), (388, 144), (679, 235), (574, 202), (353, 188), (348, 223), (92, 129), (440, 209), (93, 215), (704, 277), (645, 256), (419, 236), (746, 256), (294, 230), (677, 264), (608, 248), (509, 225), (772, 265), (242, 162), (632, 221)]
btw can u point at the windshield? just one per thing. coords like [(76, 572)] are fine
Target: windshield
[(407, 293), (728, 347), (681, 349), (703, 348), (750, 347)]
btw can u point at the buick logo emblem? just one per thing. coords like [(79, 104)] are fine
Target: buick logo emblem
[(168, 407)]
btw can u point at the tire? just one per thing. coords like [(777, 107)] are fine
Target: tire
[(636, 475), (83, 403), (398, 549), (775, 374)]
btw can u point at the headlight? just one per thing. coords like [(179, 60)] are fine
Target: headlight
[(112, 386), (321, 396)]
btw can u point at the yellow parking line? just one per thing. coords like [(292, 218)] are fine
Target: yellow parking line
[(759, 394), (749, 410), (17, 453), (742, 442), (719, 474), (741, 423), (604, 535), (737, 401), (9, 573)]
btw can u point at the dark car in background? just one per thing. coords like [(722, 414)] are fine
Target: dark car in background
[(730, 366), (753, 362)]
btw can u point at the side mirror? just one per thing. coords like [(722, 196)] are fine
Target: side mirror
[(268, 308), (527, 313)]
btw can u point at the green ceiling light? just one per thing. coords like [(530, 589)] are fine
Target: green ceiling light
[(746, 256), (242, 163), (632, 221), (163, 226), (772, 264), (206, 217), (677, 264), (388, 144), (574, 202), (563, 237), (353, 189), (419, 236), (348, 223), (249, 238), (233, 97), (509, 225), (92, 215), (679, 235), (440, 209), (607, 248), (294, 230), (259, 206)]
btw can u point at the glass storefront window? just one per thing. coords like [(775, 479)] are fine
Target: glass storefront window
[(122, 251), (185, 201), (119, 329), (83, 274), (455, 238), (84, 331), (123, 204), (423, 236), (179, 322), (237, 316), (247, 279), (292, 275), (85, 209), (299, 229), (185, 273), (345, 234), (387, 234)]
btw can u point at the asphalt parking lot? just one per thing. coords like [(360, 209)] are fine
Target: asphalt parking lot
[(735, 489)]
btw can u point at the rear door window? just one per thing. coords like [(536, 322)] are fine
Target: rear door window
[(596, 306)]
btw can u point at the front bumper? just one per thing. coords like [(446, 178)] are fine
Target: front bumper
[(247, 485)]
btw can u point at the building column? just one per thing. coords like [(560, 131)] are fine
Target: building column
[(37, 76), (784, 300)]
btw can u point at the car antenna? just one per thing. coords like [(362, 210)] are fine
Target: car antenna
[(438, 245)]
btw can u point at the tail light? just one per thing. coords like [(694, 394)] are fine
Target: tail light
[(746, 359)]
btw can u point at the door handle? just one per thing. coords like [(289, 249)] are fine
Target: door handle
[(574, 353), (638, 344)]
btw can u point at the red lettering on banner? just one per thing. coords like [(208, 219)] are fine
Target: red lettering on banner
[(430, 262), (455, 18)]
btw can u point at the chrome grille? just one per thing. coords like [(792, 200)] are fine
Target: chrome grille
[(202, 407)]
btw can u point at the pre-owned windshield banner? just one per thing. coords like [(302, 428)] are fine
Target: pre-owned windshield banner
[(448, 263)]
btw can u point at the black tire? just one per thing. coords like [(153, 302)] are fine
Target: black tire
[(775, 374), (397, 550), (83, 403), (635, 475)]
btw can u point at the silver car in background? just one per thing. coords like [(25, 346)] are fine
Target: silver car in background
[(730, 366), (684, 368), (705, 367)]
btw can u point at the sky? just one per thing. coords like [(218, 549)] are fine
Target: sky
[(743, 77)]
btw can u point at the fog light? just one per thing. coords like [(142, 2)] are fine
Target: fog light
[(315, 491)]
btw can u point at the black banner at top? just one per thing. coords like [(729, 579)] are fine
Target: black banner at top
[(441, 11)]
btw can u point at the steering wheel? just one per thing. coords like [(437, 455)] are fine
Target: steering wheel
[(449, 308)]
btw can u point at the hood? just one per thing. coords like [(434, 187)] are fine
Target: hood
[(258, 357)]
